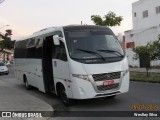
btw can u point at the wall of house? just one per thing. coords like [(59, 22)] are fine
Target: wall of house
[(141, 38), (144, 29), (153, 19)]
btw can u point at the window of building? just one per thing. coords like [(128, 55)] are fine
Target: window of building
[(158, 10), (135, 14), (145, 13)]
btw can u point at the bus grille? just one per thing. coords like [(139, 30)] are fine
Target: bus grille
[(109, 87), (106, 76)]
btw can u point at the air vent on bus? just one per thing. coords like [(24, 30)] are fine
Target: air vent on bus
[(106, 76), (109, 87)]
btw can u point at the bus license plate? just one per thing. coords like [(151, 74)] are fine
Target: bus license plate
[(108, 82)]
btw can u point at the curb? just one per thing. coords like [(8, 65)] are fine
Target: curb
[(145, 81), (143, 72)]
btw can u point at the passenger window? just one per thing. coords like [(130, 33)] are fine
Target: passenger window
[(59, 52), (37, 41), (39, 48), (31, 42)]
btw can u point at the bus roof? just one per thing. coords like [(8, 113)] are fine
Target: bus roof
[(67, 28)]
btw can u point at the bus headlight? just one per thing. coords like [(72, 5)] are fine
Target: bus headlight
[(84, 77), (125, 72)]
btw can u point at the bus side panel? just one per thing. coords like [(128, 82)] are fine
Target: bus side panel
[(32, 69), (18, 67)]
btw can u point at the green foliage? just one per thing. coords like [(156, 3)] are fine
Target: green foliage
[(6, 44), (142, 51), (148, 53), (143, 77), (111, 19), (155, 49), (144, 54)]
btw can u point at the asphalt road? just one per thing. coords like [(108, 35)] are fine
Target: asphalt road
[(140, 93)]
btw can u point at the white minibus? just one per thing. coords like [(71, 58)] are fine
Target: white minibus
[(74, 62)]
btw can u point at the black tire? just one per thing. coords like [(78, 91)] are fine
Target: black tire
[(66, 101), (28, 87)]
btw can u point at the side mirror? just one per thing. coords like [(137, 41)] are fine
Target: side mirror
[(56, 40)]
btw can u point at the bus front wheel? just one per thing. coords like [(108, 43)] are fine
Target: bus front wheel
[(66, 101)]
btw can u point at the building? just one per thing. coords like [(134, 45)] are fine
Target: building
[(146, 28)]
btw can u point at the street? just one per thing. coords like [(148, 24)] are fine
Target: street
[(139, 94)]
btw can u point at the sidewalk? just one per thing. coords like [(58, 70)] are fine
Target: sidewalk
[(143, 70), (12, 99), (141, 78)]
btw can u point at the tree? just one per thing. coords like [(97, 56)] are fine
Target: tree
[(144, 54), (111, 19), (155, 48), (6, 43), (148, 53)]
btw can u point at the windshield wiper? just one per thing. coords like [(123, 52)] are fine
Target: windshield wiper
[(112, 51), (91, 52)]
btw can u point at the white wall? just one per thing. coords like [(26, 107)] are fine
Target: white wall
[(144, 29), (141, 38), (153, 19)]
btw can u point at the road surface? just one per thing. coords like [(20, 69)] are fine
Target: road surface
[(140, 93)]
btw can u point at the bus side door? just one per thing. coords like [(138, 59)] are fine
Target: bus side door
[(61, 67)]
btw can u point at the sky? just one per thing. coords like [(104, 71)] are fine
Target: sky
[(27, 16)]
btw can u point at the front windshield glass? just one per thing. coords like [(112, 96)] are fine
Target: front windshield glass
[(93, 46)]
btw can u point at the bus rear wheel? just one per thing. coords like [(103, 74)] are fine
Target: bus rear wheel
[(66, 101), (28, 87)]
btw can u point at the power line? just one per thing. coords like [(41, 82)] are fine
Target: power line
[(1, 1)]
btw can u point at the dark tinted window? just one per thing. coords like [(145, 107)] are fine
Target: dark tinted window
[(31, 42), (32, 48), (39, 43), (20, 49), (59, 52), (31, 52), (90, 45)]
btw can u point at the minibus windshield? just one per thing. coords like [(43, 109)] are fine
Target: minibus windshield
[(83, 43)]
